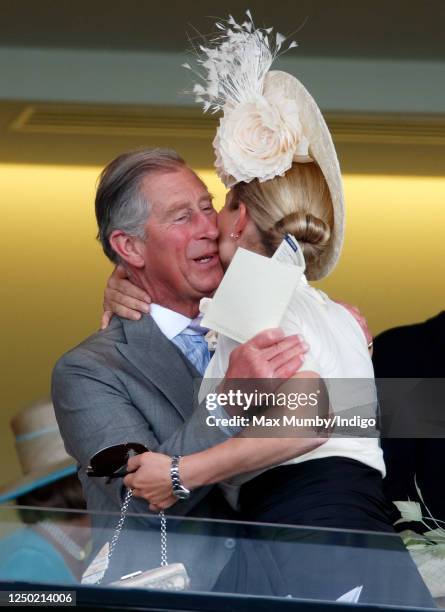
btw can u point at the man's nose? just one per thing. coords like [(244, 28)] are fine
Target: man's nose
[(206, 226)]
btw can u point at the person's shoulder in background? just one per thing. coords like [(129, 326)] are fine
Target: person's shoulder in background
[(25, 555), (411, 350)]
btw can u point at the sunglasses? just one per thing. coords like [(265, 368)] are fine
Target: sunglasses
[(111, 461)]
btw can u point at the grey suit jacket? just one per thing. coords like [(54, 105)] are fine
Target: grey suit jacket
[(130, 384)]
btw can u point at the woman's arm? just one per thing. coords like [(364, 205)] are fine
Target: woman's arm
[(264, 445), (243, 453), (239, 455)]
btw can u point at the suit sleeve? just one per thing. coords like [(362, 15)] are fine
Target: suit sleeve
[(94, 410)]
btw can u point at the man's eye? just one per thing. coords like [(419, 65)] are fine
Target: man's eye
[(182, 218)]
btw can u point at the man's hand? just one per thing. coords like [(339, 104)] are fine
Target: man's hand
[(123, 298), (261, 365), (150, 479), (355, 312), (269, 354)]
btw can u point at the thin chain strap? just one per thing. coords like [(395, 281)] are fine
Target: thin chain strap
[(120, 524), (164, 561)]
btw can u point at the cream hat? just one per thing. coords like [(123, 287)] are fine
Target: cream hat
[(269, 119), (40, 450), (322, 151)]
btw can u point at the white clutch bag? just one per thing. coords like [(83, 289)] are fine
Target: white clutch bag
[(111, 463), (172, 577)]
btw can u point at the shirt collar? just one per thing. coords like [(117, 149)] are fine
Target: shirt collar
[(170, 323)]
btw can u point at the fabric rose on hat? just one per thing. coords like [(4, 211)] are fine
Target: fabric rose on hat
[(259, 139)]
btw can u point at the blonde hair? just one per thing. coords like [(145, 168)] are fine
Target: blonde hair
[(298, 203)]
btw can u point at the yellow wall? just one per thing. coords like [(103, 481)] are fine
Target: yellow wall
[(393, 261), (54, 271)]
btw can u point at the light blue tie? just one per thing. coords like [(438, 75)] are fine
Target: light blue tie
[(192, 344)]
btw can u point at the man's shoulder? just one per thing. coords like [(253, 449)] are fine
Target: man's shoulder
[(97, 347)]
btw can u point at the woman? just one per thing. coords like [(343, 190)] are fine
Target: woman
[(53, 544)]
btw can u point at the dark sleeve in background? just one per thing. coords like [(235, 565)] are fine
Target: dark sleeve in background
[(414, 351)]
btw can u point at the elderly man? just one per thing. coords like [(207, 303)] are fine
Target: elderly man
[(134, 381)]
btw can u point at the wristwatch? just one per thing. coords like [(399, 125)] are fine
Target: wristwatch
[(179, 490)]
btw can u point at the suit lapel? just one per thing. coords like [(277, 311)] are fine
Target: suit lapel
[(160, 361)]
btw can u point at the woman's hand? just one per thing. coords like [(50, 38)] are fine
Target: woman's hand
[(151, 479), (123, 298)]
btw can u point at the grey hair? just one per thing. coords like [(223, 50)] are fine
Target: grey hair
[(120, 204)]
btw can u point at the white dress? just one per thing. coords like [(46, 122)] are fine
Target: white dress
[(338, 352)]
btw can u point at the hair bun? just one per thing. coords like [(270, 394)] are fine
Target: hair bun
[(305, 227)]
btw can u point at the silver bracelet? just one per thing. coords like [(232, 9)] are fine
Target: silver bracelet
[(178, 488)]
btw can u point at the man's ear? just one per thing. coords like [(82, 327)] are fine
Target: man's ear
[(129, 248), (241, 219)]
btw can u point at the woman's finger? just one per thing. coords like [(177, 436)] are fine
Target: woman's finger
[(124, 291), (114, 298), (126, 313), (106, 318), (119, 272), (126, 288)]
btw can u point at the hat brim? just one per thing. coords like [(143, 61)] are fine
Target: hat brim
[(322, 151), (37, 479)]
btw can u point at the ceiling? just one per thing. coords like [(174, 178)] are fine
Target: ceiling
[(377, 29), (396, 29), (89, 135)]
